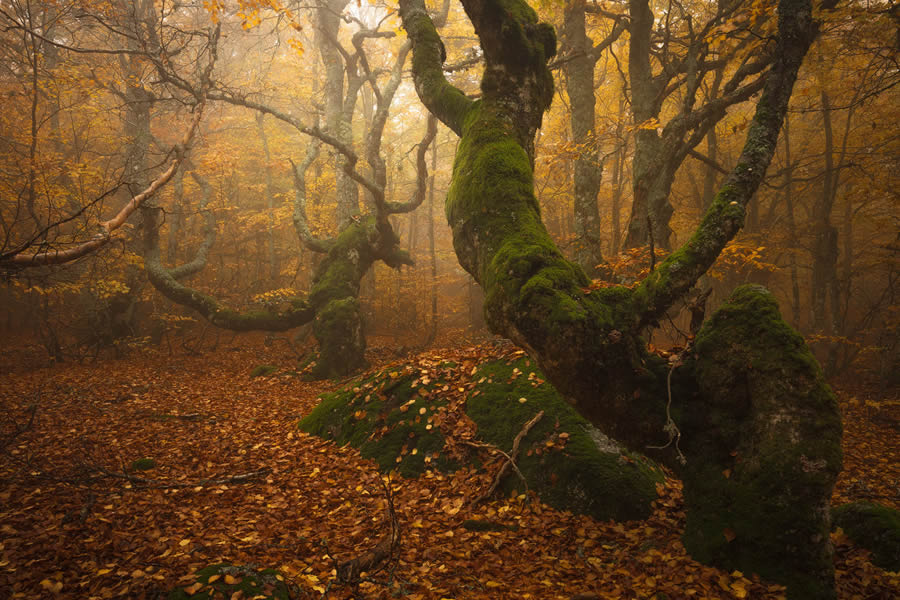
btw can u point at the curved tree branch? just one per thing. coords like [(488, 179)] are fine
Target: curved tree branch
[(421, 173), (107, 228), (680, 271), (445, 101), (209, 234)]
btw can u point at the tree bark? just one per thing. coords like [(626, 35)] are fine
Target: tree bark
[(579, 74), (588, 341)]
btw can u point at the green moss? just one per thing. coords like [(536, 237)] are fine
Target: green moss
[(338, 328), (386, 416), (263, 371), (339, 274), (580, 477), (763, 441), (266, 584), (142, 464), (387, 419), (874, 527)]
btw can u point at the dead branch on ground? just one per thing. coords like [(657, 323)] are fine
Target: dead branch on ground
[(510, 458)]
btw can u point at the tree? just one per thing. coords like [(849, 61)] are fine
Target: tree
[(333, 301), (582, 56), (670, 63), (18, 247), (754, 501)]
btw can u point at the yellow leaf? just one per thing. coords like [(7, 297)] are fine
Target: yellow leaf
[(53, 586), (231, 580), (193, 589), (214, 578), (184, 542), (493, 584), (103, 571)]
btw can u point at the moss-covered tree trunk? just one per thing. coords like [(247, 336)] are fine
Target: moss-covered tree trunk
[(588, 342), (338, 324)]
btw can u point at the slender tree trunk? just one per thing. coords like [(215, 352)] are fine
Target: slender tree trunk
[(579, 73), (274, 267), (432, 334), (792, 225), (712, 151), (176, 218), (618, 182)]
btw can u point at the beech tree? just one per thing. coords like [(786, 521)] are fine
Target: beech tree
[(752, 429), (332, 305)]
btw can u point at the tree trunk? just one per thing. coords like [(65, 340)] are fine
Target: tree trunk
[(792, 224), (588, 342), (765, 448), (579, 73), (338, 324), (274, 268)]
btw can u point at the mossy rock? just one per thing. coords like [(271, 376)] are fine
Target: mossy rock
[(224, 580), (874, 527), (388, 416), (570, 464), (142, 464), (263, 371)]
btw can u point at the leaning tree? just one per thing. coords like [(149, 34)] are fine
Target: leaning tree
[(744, 416)]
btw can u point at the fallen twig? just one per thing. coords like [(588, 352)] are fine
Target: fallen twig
[(348, 572), (510, 458)]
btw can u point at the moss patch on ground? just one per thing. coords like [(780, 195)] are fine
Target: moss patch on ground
[(874, 527), (399, 417), (564, 459), (389, 416), (224, 581), (263, 371)]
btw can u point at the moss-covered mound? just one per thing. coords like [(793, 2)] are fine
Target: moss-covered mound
[(874, 527), (263, 371), (224, 581), (390, 416), (563, 458), (399, 417)]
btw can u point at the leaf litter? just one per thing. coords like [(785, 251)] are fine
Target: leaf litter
[(234, 481)]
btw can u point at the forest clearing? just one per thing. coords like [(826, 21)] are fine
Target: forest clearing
[(75, 526)]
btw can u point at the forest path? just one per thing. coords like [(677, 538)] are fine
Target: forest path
[(72, 524)]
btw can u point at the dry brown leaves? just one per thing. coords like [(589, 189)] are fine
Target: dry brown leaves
[(72, 525)]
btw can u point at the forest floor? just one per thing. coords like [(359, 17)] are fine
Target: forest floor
[(234, 481)]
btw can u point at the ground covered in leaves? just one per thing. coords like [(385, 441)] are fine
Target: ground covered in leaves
[(124, 478)]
